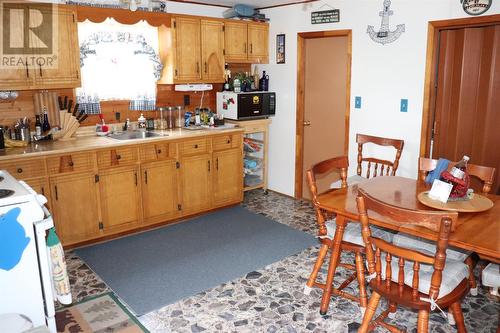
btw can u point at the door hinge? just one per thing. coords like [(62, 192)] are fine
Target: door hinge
[(179, 207), (97, 178), (177, 165), (101, 225)]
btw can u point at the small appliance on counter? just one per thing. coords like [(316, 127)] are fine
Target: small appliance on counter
[(246, 105)]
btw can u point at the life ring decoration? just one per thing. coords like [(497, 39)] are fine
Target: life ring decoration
[(385, 35), (476, 7)]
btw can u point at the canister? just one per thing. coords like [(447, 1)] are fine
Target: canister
[(179, 116)]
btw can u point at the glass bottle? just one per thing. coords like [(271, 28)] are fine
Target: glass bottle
[(458, 170), (45, 124), (38, 126)]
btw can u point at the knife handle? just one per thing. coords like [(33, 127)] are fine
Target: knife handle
[(65, 102), (70, 104), (83, 118), (75, 110), (59, 100)]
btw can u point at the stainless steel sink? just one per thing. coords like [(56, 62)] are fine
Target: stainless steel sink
[(131, 135)]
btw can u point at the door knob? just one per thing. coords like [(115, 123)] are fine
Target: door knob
[(307, 123)]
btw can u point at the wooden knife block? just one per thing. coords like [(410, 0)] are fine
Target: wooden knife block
[(69, 125)]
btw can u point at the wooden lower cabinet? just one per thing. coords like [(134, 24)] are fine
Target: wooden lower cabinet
[(228, 177), (159, 191), (195, 183), (74, 206), (119, 197)]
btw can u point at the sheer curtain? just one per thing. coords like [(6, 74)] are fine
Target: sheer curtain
[(118, 62)]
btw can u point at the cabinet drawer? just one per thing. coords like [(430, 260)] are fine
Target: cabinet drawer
[(24, 169), (226, 142), (191, 147), (116, 157), (70, 163), (154, 152)]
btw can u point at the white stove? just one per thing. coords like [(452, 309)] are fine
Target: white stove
[(25, 281)]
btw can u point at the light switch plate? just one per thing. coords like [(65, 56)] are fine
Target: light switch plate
[(357, 102), (404, 105)]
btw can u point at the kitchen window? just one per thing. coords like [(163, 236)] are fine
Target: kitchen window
[(118, 62)]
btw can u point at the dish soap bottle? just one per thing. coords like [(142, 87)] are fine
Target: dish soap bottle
[(141, 123)]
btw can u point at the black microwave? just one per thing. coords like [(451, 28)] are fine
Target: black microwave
[(246, 105)]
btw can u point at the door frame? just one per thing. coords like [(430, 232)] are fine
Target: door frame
[(300, 107), (434, 28)]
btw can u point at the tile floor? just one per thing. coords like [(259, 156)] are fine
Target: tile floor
[(271, 299)]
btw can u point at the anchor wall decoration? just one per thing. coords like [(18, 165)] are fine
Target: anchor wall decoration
[(384, 35)]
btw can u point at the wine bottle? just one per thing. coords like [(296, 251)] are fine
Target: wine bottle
[(45, 124), (458, 170), (38, 125)]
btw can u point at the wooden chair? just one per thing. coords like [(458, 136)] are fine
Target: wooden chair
[(485, 174), (352, 240), (387, 168), (407, 277)]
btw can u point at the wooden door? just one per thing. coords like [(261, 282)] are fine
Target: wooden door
[(195, 186), (212, 48), (65, 72), (235, 41), (258, 42), (119, 197), (228, 177), (159, 191), (74, 206), (12, 74), (325, 92), (187, 49), (466, 116)]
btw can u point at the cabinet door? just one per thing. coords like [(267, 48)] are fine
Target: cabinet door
[(195, 175), (258, 43), (228, 176), (187, 49), (74, 205), (65, 72), (212, 48), (118, 189), (14, 71), (40, 186), (235, 38), (159, 191)]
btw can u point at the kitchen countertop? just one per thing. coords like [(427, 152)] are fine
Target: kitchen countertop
[(92, 142)]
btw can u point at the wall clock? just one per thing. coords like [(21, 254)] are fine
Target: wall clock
[(476, 7)]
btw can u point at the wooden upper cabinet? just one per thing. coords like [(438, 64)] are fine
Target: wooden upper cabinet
[(258, 43), (246, 42), (59, 69), (212, 50), (235, 36), (187, 49), (65, 72)]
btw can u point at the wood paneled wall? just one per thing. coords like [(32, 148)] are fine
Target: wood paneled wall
[(23, 106)]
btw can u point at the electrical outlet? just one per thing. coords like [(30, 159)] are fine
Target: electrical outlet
[(357, 102), (404, 105), (187, 100)]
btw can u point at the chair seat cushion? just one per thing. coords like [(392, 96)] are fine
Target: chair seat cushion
[(491, 276), (453, 273), (352, 180), (427, 247), (352, 232)]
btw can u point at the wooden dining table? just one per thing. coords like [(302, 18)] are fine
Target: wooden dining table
[(475, 231)]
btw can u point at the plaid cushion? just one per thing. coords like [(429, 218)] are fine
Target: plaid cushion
[(491, 275), (353, 180), (352, 232), (427, 246), (454, 272)]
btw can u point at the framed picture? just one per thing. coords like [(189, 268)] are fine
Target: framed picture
[(280, 49)]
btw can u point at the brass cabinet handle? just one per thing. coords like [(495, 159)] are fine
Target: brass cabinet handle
[(251, 48), (55, 189), (146, 176), (307, 123), (228, 141), (71, 164), (118, 157), (19, 170), (158, 151), (208, 166), (205, 67), (196, 146), (135, 174), (217, 163)]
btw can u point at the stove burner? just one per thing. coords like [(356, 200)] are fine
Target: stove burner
[(4, 193)]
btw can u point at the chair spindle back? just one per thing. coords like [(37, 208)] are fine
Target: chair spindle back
[(387, 168)]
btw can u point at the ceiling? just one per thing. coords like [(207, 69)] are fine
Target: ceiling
[(255, 3)]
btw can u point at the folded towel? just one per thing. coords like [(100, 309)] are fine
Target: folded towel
[(441, 166)]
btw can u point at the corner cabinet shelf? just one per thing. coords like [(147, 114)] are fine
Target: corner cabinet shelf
[(255, 146)]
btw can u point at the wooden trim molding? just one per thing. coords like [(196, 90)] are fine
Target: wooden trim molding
[(123, 16), (299, 136), (430, 68), (288, 4)]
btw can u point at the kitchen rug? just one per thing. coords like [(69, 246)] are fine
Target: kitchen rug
[(103, 313), (159, 267)]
